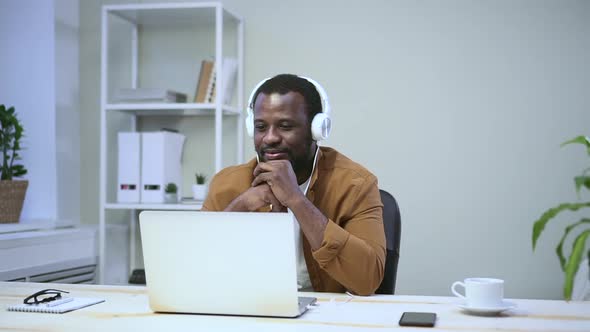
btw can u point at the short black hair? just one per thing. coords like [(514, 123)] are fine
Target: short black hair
[(285, 83)]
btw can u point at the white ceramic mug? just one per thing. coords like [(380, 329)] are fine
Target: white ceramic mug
[(481, 292)]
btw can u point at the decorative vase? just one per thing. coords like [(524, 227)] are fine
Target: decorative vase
[(199, 192), (12, 196), (170, 198)]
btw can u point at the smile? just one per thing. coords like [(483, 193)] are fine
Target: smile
[(275, 154)]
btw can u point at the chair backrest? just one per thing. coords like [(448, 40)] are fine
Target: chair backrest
[(393, 226)]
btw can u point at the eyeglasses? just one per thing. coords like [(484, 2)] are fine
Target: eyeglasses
[(44, 296)]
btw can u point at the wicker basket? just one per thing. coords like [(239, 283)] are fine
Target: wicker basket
[(12, 196)]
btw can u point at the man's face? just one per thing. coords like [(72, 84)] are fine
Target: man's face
[(282, 130)]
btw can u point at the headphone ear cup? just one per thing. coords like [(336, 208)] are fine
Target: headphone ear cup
[(321, 125), (250, 124)]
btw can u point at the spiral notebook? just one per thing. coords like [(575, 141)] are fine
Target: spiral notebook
[(57, 307)]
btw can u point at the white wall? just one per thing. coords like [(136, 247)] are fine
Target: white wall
[(458, 107), (40, 77), (28, 84)]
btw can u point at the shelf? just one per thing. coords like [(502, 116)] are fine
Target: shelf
[(34, 225), (154, 206), (178, 109), (163, 15), (164, 30)]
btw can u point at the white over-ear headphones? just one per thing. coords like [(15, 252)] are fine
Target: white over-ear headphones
[(321, 125)]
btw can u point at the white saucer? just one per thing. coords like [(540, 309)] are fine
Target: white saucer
[(488, 310)]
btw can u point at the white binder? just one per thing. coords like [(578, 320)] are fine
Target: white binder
[(128, 178), (161, 163)]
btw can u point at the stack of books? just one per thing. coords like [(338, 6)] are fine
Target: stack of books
[(149, 95), (207, 84)]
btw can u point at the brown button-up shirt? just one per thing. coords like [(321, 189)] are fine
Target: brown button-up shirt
[(352, 254)]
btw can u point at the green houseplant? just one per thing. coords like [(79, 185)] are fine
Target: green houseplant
[(171, 193), (12, 192), (571, 264), (200, 178), (200, 188)]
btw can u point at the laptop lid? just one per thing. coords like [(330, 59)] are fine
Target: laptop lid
[(236, 263)]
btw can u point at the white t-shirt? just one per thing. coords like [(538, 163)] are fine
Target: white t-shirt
[(303, 280)]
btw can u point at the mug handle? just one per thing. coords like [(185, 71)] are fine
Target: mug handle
[(455, 284)]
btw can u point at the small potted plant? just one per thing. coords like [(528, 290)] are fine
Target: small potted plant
[(12, 192), (200, 188), (171, 193)]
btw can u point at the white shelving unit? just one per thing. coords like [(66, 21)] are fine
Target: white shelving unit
[(192, 16)]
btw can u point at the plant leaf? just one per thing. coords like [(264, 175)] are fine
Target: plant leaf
[(540, 223), (574, 263), (584, 140), (582, 180), (559, 249), (579, 140), (18, 170), (585, 181)]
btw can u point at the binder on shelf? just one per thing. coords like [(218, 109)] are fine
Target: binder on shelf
[(161, 163), (128, 177)]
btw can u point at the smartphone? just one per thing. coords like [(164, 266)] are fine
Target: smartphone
[(421, 319)]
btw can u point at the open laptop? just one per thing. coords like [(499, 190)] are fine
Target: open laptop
[(229, 263)]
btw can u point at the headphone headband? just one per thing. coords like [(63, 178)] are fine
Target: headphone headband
[(321, 124)]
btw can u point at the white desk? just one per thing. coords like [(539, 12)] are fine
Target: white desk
[(126, 309)]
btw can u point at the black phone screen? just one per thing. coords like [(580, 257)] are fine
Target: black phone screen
[(422, 319)]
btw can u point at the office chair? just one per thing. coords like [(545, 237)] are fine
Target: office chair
[(393, 226)]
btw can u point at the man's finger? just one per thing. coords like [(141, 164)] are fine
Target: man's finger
[(261, 179), (262, 167), (275, 204), (277, 207)]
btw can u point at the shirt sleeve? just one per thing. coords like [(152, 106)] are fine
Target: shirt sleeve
[(210, 203), (353, 250), (226, 185), (222, 190)]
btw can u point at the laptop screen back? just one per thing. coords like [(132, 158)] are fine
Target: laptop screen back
[(220, 262)]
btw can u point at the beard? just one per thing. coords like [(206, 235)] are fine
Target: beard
[(300, 162)]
